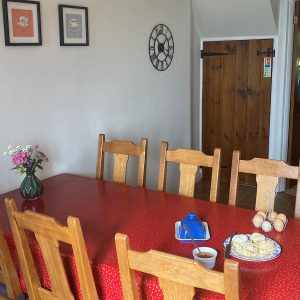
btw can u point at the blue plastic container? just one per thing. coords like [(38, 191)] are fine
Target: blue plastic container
[(194, 226)]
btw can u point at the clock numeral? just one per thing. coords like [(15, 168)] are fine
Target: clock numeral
[(170, 56), (157, 63), (162, 28), (151, 48), (152, 57), (159, 30), (162, 65), (171, 48), (166, 65)]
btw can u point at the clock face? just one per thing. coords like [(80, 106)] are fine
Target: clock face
[(161, 47)]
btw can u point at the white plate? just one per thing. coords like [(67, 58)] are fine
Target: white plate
[(177, 232), (235, 254)]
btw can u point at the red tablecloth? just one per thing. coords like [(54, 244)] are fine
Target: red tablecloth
[(148, 218)]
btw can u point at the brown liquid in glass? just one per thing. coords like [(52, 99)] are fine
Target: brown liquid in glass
[(204, 255)]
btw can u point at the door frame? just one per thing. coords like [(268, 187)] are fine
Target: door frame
[(281, 73)]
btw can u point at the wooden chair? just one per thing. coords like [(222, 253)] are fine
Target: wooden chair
[(121, 151), (8, 273), (48, 233), (190, 161), (177, 276), (267, 173)]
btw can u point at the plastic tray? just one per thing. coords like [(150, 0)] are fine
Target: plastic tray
[(177, 232)]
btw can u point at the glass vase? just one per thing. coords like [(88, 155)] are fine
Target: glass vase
[(31, 188)]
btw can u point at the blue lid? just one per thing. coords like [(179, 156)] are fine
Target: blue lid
[(194, 226)]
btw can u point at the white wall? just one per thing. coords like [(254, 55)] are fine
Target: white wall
[(196, 33), (61, 97), (232, 18), (276, 9)]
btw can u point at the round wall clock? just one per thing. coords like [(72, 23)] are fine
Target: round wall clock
[(161, 47)]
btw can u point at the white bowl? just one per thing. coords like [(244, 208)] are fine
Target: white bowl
[(207, 262)]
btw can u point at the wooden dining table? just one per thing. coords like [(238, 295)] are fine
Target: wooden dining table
[(148, 217)]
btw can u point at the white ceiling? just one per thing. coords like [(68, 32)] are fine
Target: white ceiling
[(229, 18)]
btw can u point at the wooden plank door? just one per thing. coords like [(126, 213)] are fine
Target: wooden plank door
[(236, 100), (294, 129)]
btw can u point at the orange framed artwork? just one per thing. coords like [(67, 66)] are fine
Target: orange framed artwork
[(22, 23)]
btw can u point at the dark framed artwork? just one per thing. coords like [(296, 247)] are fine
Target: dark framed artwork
[(22, 23), (73, 25)]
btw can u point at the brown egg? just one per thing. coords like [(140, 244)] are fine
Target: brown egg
[(257, 220), (278, 225), (272, 216), (282, 217), (266, 226), (262, 213)]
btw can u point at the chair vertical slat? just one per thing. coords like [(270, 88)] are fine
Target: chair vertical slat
[(120, 167), (161, 185), (127, 275), (232, 283), (55, 268), (187, 180), (100, 157), (142, 163), (8, 273), (82, 261), (265, 194), (234, 178), (24, 253), (297, 204), (215, 175), (173, 290)]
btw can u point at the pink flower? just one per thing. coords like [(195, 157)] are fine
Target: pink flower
[(20, 158)]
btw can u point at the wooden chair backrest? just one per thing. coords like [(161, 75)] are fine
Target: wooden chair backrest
[(189, 161), (268, 172), (177, 276), (49, 233), (121, 151), (8, 273)]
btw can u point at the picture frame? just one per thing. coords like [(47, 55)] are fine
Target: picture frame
[(73, 25), (22, 23)]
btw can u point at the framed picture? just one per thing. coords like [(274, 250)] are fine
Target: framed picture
[(73, 25), (22, 23)]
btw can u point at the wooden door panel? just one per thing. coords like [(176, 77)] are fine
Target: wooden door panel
[(236, 101), (206, 96), (216, 97), (241, 93), (253, 99), (228, 97), (253, 102), (265, 108)]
